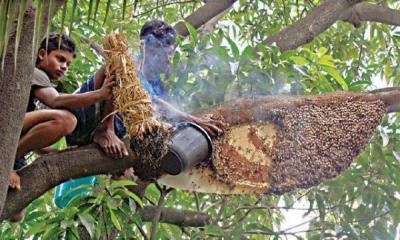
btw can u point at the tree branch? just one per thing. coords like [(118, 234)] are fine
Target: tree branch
[(51, 170), (306, 29), (202, 15), (371, 12), (182, 218)]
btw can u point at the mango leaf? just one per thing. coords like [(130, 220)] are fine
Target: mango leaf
[(234, 47), (326, 60), (21, 13), (38, 228), (193, 33), (133, 196), (122, 183), (114, 218), (214, 230), (88, 222), (335, 74), (299, 60)]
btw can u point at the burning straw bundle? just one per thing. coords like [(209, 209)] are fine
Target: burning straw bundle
[(131, 100)]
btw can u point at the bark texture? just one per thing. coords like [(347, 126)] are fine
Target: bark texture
[(202, 15), (49, 171), (14, 94), (14, 91), (306, 29), (371, 12)]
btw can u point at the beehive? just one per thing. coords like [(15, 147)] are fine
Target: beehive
[(296, 148)]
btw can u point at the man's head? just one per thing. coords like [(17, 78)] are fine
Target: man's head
[(159, 41), (55, 58)]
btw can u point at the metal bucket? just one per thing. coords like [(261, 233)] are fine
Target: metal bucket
[(189, 146)]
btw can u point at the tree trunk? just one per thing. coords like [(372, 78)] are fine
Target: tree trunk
[(14, 94), (15, 89)]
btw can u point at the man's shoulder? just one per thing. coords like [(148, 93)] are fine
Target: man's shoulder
[(41, 79)]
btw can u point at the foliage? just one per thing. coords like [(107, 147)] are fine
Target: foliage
[(363, 203)]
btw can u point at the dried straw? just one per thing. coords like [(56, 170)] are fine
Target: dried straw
[(130, 99)]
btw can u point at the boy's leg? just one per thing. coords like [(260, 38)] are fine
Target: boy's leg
[(105, 136), (42, 128)]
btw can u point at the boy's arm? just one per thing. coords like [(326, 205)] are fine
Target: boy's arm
[(50, 97), (212, 126)]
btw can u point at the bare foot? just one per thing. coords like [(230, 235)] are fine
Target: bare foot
[(110, 143), (15, 180)]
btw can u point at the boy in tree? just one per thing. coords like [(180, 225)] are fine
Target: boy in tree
[(158, 38), (42, 128)]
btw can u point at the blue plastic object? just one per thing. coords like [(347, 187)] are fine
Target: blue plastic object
[(64, 193)]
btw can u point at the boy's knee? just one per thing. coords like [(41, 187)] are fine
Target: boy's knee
[(67, 121)]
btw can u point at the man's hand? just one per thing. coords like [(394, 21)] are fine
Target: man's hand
[(106, 89), (210, 125)]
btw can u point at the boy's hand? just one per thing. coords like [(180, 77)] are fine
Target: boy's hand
[(106, 89), (15, 180)]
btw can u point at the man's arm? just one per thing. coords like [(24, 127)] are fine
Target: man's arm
[(213, 127), (50, 97)]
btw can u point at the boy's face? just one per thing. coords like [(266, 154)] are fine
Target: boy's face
[(55, 63)]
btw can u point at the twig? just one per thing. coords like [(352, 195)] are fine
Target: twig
[(243, 217), (196, 198), (141, 231), (163, 191), (221, 210)]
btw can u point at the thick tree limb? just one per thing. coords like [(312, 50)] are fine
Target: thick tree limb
[(306, 29), (202, 15), (371, 12), (51, 170), (14, 93)]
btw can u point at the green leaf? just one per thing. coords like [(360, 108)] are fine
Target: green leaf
[(52, 232), (192, 31), (37, 228), (130, 194), (114, 218), (214, 230), (299, 60), (11, 8), (122, 183), (88, 222), (322, 51), (22, 9), (64, 13), (124, 9), (108, 6), (3, 21), (74, 5), (90, 11), (335, 74), (327, 61), (96, 8), (234, 48)]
